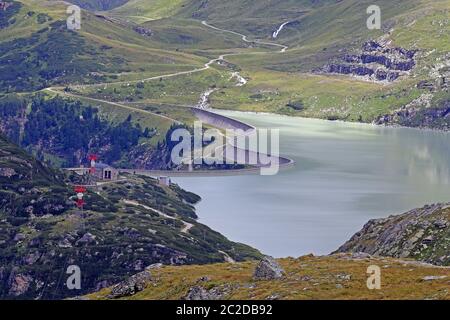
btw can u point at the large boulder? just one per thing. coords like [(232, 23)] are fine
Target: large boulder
[(268, 269), (131, 286)]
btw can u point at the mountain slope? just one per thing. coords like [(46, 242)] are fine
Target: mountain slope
[(103, 50), (123, 228), (320, 34), (28, 187), (312, 22), (64, 132)]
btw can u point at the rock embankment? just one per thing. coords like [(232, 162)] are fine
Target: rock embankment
[(376, 61), (419, 113), (422, 234)]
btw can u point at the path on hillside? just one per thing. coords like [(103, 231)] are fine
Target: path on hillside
[(163, 76), (245, 39), (55, 90), (186, 225)]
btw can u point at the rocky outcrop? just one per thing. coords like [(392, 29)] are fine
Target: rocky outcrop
[(422, 234), (200, 293), (419, 114), (432, 108), (376, 62), (143, 31), (268, 269), (131, 286)]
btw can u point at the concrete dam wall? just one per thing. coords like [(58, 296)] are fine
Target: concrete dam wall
[(220, 121)]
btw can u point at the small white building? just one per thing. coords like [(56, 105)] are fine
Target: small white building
[(105, 172), (164, 181)]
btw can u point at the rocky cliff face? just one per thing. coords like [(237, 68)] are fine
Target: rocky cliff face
[(432, 108), (376, 61), (422, 234)]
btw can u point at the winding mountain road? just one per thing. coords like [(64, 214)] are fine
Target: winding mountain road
[(245, 39), (165, 76)]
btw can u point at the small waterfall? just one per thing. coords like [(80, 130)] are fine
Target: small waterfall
[(241, 80), (275, 34), (204, 99)]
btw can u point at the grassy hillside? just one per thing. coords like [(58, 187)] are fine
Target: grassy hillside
[(37, 51), (101, 51), (313, 22), (142, 11), (333, 277), (98, 5)]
